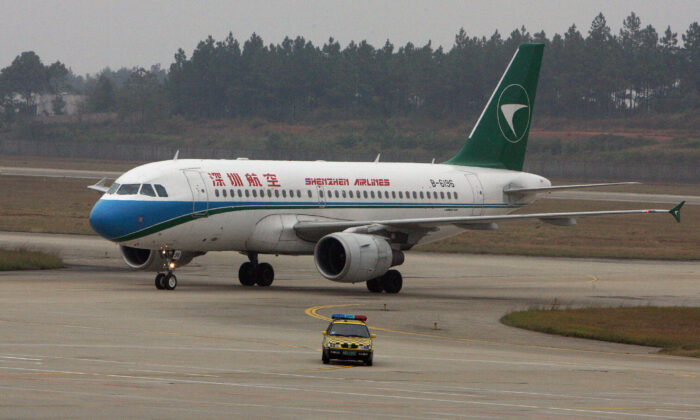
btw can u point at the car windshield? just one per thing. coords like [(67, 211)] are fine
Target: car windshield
[(127, 189), (349, 330)]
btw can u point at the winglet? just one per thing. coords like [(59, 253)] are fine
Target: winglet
[(676, 211), (100, 186)]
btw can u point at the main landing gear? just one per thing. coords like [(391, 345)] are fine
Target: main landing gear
[(390, 282), (252, 272), (168, 281)]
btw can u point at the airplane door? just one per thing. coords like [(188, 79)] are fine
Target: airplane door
[(322, 199), (200, 199), (477, 193)]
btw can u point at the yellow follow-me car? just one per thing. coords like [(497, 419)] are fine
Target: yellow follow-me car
[(347, 338)]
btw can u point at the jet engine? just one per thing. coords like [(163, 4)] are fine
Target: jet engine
[(154, 260), (353, 257)]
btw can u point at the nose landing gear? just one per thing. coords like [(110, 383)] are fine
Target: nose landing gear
[(168, 281), (252, 272)]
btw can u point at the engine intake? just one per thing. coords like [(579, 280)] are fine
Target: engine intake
[(153, 260), (352, 257)]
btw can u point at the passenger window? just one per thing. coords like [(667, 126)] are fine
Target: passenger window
[(128, 189), (255, 193), (371, 193), (455, 195), (408, 195), (277, 193), (309, 193), (415, 195), (350, 193), (216, 193), (449, 195), (386, 194), (161, 190), (364, 193), (337, 194), (421, 195), (223, 192), (344, 194), (147, 189), (401, 194), (393, 194), (113, 188), (247, 193), (442, 195), (284, 193), (320, 193), (299, 193), (358, 193), (240, 193)]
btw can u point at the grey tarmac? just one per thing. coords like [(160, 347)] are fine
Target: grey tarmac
[(96, 340)]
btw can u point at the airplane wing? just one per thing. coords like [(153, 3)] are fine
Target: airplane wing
[(100, 186), (318, 229)]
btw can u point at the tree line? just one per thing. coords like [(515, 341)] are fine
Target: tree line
[(584, 74)]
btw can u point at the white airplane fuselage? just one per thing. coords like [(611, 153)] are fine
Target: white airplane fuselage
[(250, 205)]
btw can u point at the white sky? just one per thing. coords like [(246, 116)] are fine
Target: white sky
[(88, 35)]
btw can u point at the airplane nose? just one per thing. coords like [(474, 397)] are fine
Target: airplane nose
[(104, 219)]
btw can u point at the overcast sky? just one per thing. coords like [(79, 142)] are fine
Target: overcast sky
[(88, 35)]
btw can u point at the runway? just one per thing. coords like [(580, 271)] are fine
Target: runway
[(563, 195), (97, 340)]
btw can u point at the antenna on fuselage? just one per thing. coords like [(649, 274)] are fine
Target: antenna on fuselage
[(177, 153), (377, 158)]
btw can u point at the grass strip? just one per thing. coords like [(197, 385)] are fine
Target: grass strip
[(675, 329), (24, 259)]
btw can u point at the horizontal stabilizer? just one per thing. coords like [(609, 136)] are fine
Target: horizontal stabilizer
[(508, 190), (100, 186)]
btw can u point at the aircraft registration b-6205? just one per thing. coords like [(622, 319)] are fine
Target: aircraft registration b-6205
[(355, 218)]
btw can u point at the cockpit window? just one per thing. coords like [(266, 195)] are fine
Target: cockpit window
[(113, 188), (161, 190), (147, 189), (128, 189)]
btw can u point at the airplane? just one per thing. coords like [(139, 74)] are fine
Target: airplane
[(356, 218)]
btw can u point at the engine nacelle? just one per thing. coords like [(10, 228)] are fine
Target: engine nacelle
[(353, 257), (153, 260)]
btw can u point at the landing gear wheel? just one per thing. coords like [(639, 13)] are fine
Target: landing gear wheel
[(375, 285), (246, 274), (160, 285), (264, 274), (325, 359), (392, 281), (170, 281)]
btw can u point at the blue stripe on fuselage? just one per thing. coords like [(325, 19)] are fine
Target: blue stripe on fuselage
[(114, 219)]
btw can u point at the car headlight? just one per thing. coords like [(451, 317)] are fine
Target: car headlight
[(365, 347), (334, 345)]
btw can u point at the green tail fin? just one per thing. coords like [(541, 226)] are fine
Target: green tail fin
[(499, 138)]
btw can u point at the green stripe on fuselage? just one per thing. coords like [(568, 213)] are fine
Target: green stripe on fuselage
[(159, 227)]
